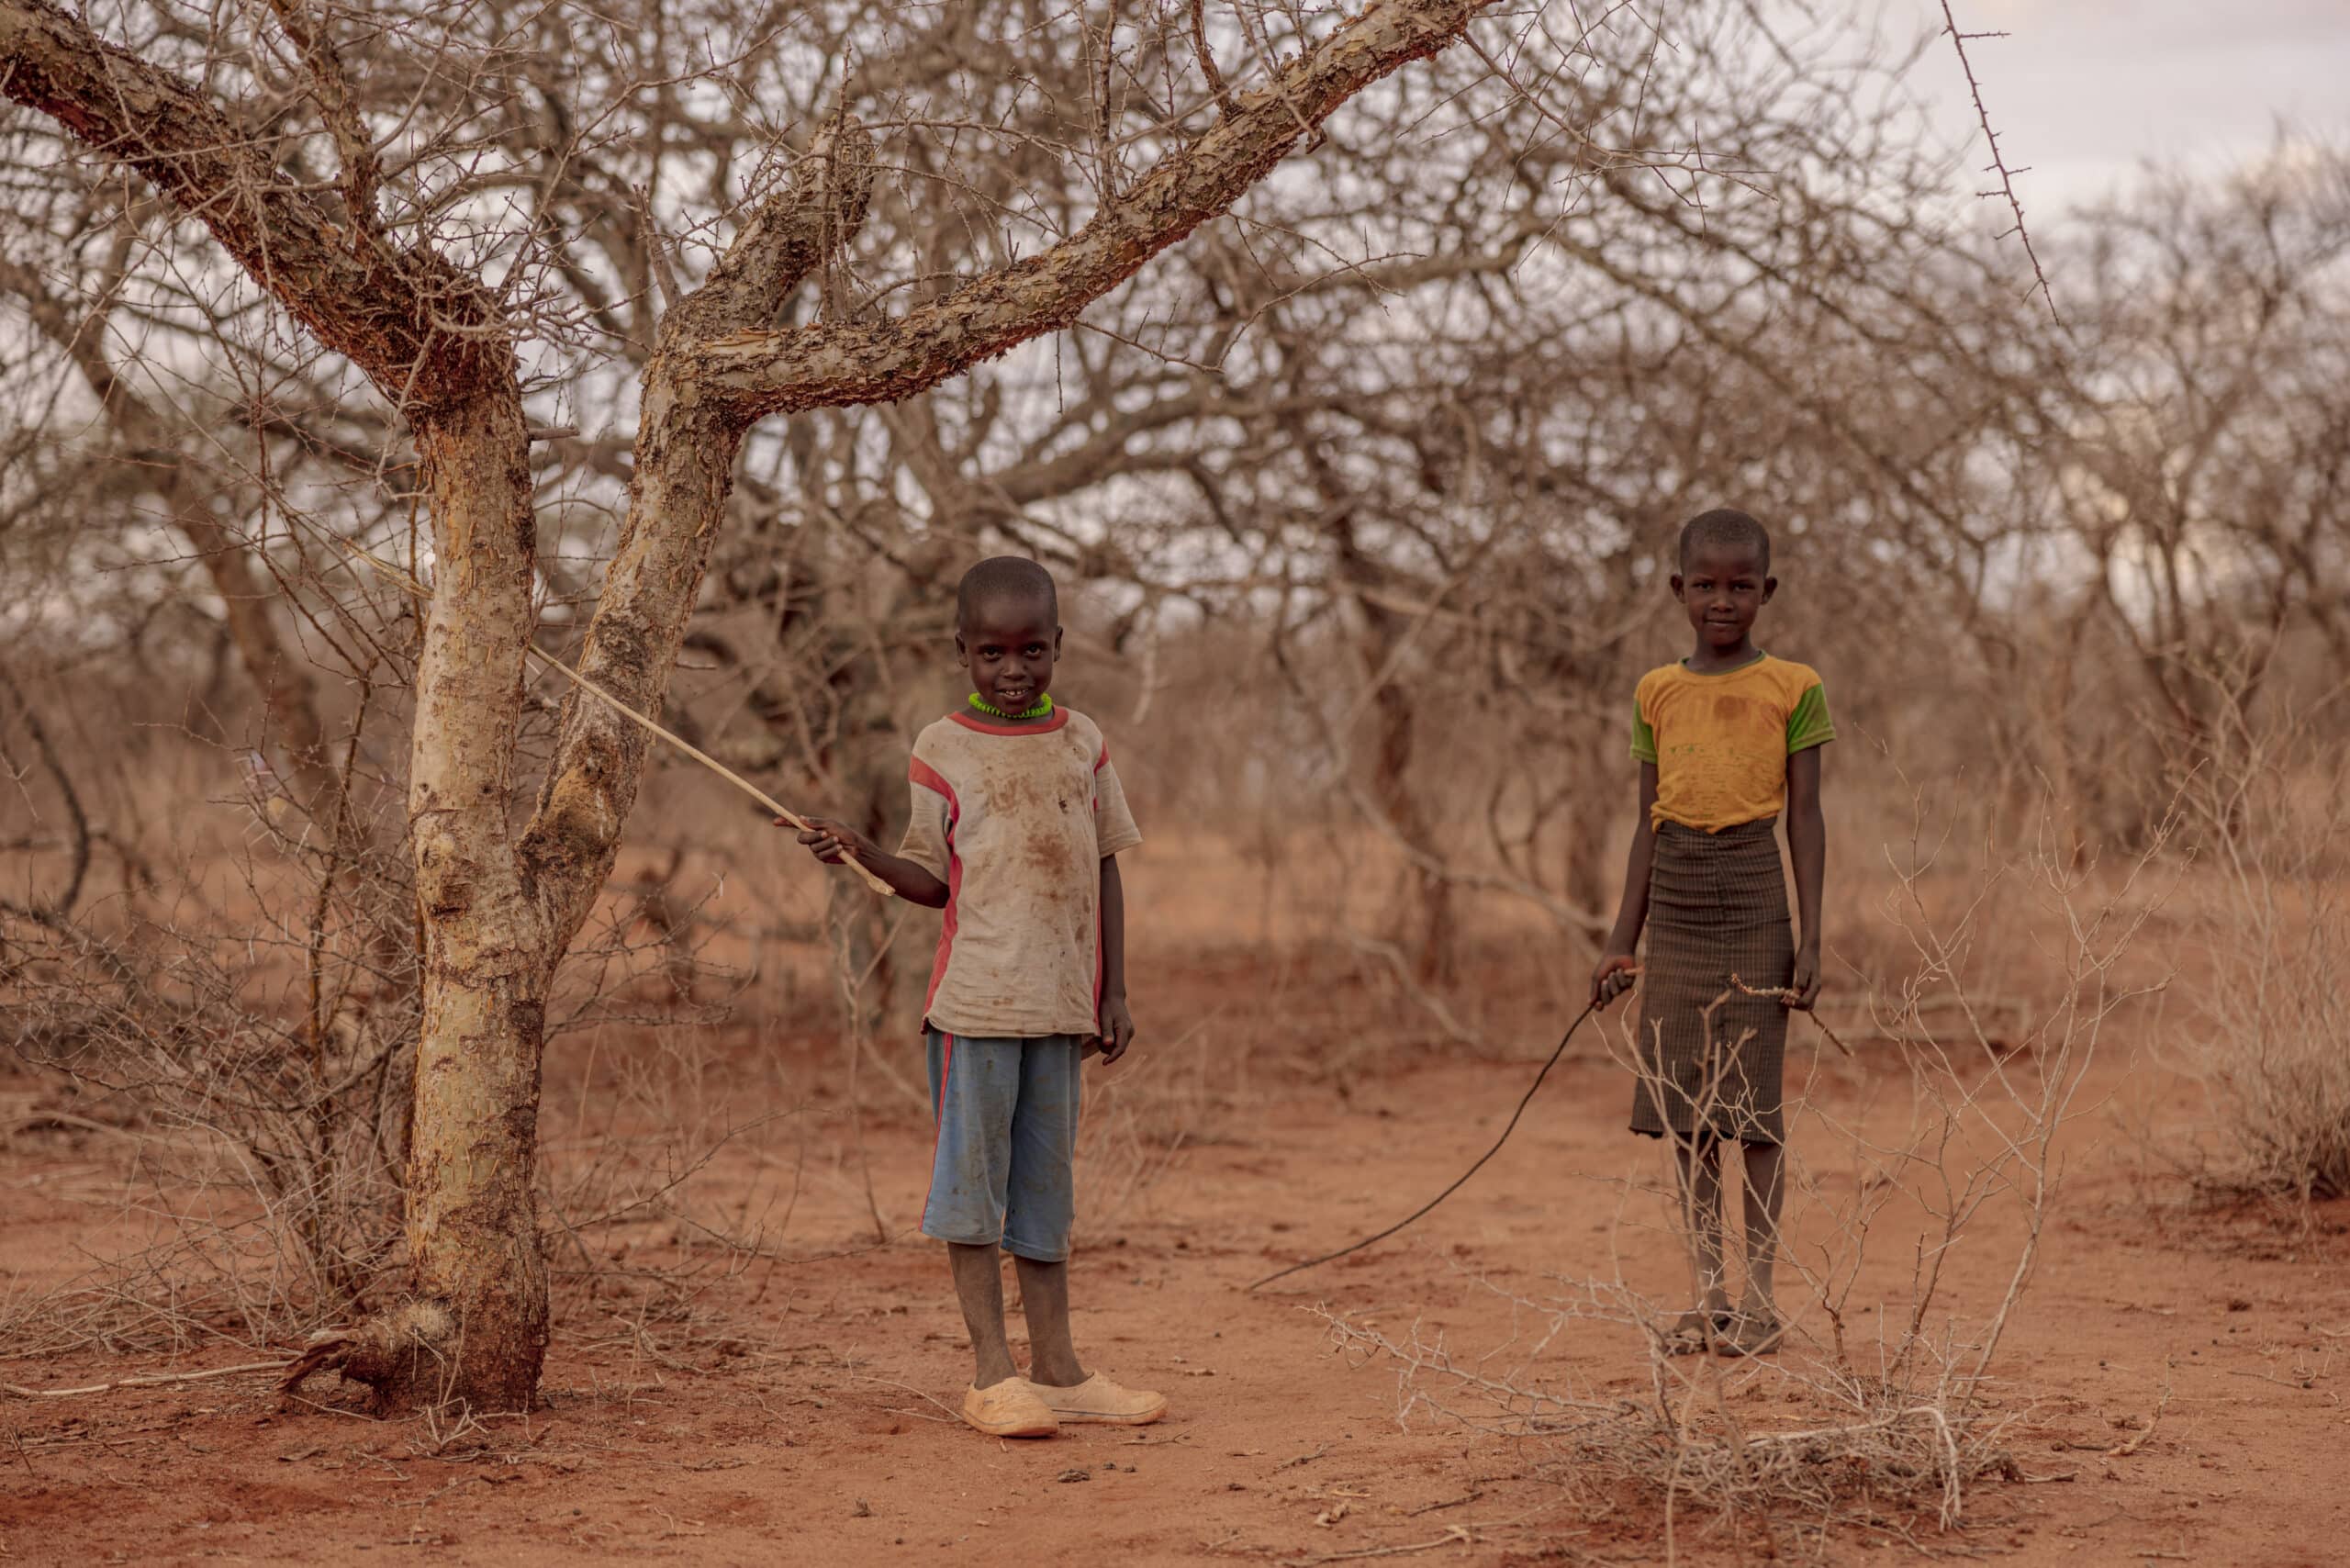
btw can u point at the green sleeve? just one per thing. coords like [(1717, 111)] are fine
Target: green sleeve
[(1810, 724), (1643, 738)]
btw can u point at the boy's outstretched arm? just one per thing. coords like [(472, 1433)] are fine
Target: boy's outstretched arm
[(1117, 1023), (831, 842), (1618, 963), (1808, 847)]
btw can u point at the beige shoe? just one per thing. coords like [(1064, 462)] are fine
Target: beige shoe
[(1008, 1410), (1098, 1399)]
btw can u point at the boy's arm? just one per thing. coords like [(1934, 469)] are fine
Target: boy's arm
[(1616, 963), (1117, 1025), (830, 840), (1808, 847)]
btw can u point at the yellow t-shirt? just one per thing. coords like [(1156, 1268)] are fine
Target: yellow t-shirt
[(1721, 741)]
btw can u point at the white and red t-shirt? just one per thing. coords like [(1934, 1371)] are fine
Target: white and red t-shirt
[(1016, 819)]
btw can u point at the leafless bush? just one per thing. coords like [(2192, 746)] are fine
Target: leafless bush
[(1178, 1095), (2274, 1011), (245, 1023), (236, 1025)]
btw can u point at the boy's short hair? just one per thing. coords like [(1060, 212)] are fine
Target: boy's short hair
[(1726, 526), (1005, 576)]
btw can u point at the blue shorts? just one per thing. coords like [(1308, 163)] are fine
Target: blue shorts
[(1002, 1168)]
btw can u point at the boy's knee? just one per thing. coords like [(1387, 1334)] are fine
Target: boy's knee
[(1037, 1253)]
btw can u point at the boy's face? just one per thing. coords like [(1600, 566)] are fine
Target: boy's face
[(1724, 588), (1010, 645)]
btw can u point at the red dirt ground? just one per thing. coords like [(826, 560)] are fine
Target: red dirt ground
[(812, 1436)]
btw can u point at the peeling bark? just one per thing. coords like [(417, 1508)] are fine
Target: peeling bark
[(472, 1208)]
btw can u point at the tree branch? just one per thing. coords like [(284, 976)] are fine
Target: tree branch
[(363, 169), (761, 372), (686, 448), (788, 237), (425, 334)]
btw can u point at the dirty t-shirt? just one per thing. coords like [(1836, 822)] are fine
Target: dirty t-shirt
[(1016, 819), (1720, 742)]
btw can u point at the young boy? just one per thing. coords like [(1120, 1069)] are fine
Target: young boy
[(1018, 819), (1726, 739)]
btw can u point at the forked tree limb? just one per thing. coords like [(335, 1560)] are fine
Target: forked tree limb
[(422, 331), (719, 369), (837, 364), (686, 448)]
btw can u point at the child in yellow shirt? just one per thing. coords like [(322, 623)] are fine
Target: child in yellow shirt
[(1728, 740)]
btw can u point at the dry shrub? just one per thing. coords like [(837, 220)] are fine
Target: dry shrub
[(2275, 1009), (1921, 1172), (1167, 1098), (241, 1021), (223, 1005)]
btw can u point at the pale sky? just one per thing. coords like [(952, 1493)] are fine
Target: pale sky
[(2085, 91)]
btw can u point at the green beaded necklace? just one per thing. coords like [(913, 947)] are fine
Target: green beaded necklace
[(1042, 708)]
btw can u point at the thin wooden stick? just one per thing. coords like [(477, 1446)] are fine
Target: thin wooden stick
[(864, 872), (2123, 1450), (1527, 1099), (761, 796), (151, 1380), (1780, 993)]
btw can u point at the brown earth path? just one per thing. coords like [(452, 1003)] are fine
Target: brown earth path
[(815, 1440)]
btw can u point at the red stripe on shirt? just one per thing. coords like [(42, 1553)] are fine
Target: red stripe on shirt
[(930, 778), (947, 926)]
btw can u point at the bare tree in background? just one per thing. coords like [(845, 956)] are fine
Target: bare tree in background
[(2206, 469)]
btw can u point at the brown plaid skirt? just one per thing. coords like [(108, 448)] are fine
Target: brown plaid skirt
[(1718, 907)]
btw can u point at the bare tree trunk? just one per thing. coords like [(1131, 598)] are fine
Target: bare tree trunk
[(1424, 920), (471, 1210), (289, 695)]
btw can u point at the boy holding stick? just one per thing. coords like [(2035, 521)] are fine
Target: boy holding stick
[(1726, 739), (1018, 820)]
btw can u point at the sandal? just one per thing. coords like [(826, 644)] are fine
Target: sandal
[(1695, 1332), (1098, 1399), (1008, 1409), (1752, 1336)]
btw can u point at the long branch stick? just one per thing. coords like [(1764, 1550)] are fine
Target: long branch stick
[(1459, 1181), (151, 1380), (1780, 993), (864, 872), (386, 569)]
